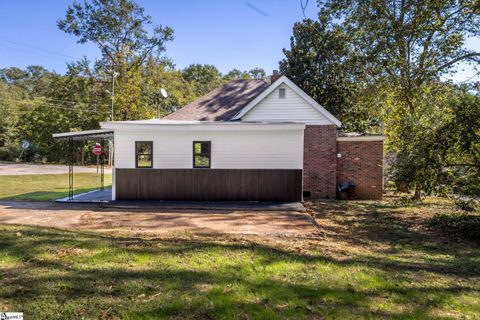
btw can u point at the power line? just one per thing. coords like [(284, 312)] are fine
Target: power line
[(32, 52), (69, 109), (304, 7), (42, 98), (72, 101), (73, 108), (61, 108), (56, 107), (31, 110), (25, 44), (53, 105), (76, 115)]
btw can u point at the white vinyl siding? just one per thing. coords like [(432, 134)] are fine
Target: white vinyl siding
[(291, 108), (231, 149)]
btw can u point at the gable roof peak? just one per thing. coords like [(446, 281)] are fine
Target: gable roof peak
[(284, 79)]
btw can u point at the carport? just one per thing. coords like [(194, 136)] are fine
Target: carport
[(99, 136)]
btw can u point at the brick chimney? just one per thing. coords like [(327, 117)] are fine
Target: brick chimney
[(275, 75)]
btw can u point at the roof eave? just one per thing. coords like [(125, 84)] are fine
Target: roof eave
[(362, 138), (84, 135)]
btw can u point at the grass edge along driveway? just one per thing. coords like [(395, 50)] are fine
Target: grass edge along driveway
[(47, 187)]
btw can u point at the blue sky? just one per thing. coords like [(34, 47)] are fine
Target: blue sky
[(228, 34)]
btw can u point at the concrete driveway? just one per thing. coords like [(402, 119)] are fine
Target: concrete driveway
[(10, 168), (94, 218)]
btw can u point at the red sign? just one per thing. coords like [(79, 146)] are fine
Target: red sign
[(97, 150)]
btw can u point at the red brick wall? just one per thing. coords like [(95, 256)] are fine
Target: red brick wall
[(319, 161), (362, 162)]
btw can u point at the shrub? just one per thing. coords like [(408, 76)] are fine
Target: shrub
[(461, 225), (406, 201), (468, 205), (37, 158), (469, 182), (10, 152)]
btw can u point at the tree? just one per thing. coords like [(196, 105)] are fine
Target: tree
[(127, 98), (440, 149), (404, 47), (462, 149), (8, 121), (257, 73), (34, 80), (162, 74), (38, 125), (321, 63), (236, 74), (118, 27), (17, 88), (409, 42), (204, 77)]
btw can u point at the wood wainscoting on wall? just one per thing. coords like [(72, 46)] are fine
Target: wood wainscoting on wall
[(209, 184)]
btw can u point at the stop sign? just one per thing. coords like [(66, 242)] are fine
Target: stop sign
[(97, 150)]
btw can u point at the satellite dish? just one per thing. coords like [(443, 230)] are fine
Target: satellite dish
[(164, 93)]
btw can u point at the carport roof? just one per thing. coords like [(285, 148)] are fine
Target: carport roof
[(85, 135)]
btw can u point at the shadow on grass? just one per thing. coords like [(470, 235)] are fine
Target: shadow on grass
[(389, 233), (64, 274)]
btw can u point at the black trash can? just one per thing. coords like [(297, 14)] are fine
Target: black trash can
[(346, 190)]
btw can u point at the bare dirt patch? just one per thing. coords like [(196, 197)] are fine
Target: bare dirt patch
[(94, 218)]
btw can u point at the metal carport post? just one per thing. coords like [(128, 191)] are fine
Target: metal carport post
[(70, 169), (100, 134)]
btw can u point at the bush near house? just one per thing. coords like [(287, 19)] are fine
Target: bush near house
[(462, 222), (460, 225)]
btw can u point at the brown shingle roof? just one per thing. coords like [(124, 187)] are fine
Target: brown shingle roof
[(222, 103)]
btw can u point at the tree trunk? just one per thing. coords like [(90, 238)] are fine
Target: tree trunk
[(402, 187), (418, 192)]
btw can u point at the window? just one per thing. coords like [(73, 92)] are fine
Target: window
[(143, 154), (201, 154), (281, 93)]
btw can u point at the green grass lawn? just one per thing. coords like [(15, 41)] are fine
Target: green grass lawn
[(45, 187), (375, 259)]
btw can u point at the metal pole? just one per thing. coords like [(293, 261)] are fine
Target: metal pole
[(113, 92), (70, 170), (111, 115), (158, 105), (102, 170)]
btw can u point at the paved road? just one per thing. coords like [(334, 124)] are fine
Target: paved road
[(94, 218), (10, 168)]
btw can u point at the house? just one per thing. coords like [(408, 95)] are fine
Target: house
[(246, 140)]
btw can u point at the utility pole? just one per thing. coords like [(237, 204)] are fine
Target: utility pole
[(112, 93), (158, 105), (162, 94), (112, 97)]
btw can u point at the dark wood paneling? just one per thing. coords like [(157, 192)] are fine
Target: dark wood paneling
[(209, 184)]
